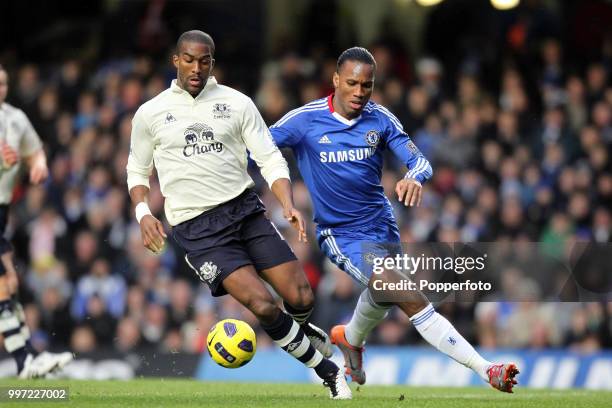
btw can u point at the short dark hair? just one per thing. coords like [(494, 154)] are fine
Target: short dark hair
[(355, 54), (198, 37)]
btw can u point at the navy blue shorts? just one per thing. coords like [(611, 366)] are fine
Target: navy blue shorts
[(5, 246), (234, 234)]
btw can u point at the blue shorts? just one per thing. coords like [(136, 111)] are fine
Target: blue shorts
[(351, 248)]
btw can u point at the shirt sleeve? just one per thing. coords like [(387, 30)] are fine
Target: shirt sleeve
[(286, 132), (29, 142), (260, 144), (404, 149), (140, 160)]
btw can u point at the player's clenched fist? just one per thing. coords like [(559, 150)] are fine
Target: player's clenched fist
[(152, 232), (9, 155), (409, 192)]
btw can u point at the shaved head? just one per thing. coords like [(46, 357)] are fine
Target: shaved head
[(196, 36)]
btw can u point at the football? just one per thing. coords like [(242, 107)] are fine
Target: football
[(231, 343)]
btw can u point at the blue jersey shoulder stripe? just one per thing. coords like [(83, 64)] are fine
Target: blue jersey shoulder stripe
[(319, 103), (371, 106), (282, 121), (388, 113), (391, 117)]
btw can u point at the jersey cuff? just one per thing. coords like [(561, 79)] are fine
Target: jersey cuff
[(275, 175), (134, 180), (420, 177)]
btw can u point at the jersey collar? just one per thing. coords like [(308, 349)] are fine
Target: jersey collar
[(337, 116), (211, 83)]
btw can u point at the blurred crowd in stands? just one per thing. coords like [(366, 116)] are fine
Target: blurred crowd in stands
[(512, 162)]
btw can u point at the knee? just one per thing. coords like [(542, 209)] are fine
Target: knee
[(301, 298), (264, 308), (306, 298)]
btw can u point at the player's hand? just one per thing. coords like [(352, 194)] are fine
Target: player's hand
[(294, 217), (409, 191), (153, 234), (38, 173), (9, 155)]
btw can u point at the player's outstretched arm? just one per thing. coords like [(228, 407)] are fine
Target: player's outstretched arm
[(37, 163), (139, 169), (410, 189), (151, 229), (282, 190)]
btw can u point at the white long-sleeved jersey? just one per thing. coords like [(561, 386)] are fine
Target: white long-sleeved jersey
[(199, 148), (16, 131)]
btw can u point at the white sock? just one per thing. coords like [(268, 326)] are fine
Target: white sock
[(365, 318), (441, 334)]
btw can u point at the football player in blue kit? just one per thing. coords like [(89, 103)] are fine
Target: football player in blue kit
[(338, 142)]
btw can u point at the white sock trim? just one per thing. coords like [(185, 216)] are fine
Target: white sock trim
[(290, 336), (25, 332), (315, 360), (302, 348), (14, 342), (9, 323)]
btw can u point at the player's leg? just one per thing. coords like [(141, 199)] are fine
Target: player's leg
[(289, 281), (215, 251), (441, 334), (11, 313), (245, 286), (14, 343), (344, 250), (13, 287), (275, 261), (36, 364)]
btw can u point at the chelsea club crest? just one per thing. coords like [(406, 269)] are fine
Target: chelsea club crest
[(372, 138)]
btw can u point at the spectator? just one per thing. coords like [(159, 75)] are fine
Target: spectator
[(109, 289)]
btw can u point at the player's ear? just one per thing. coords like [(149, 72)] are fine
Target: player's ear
[(336, 80), (175, 61), (212, 65)]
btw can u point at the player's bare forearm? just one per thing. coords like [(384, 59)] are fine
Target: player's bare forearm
[(283, 193), (37, 163), (151, 228), (282, 190), (139, 194), (36, 159)]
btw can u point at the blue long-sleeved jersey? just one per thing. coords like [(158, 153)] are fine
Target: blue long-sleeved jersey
[(341, 160)]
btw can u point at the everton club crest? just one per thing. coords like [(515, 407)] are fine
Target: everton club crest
[(372, 138), (221, 111)]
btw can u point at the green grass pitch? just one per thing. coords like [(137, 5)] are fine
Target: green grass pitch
[(151, 393)]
